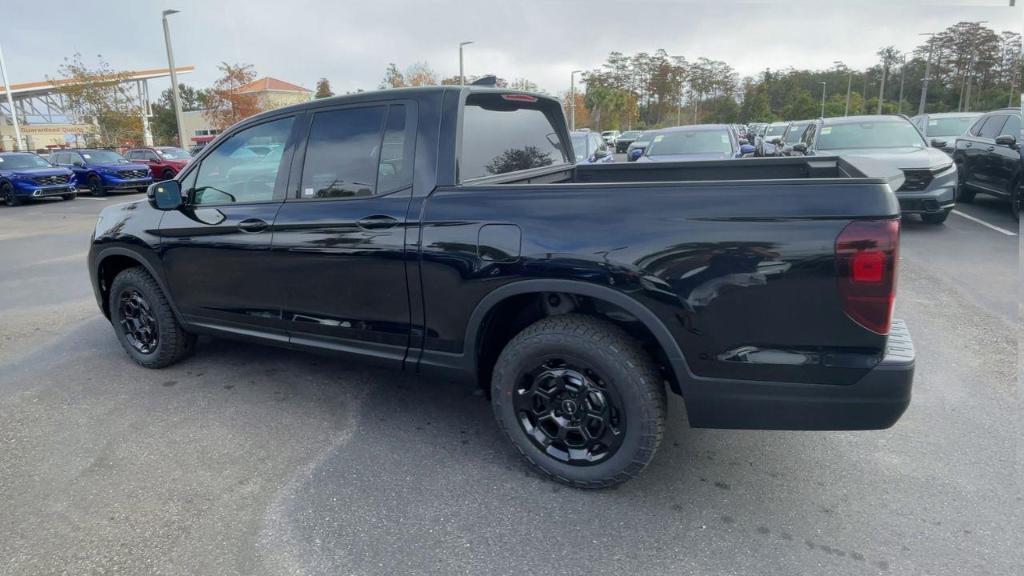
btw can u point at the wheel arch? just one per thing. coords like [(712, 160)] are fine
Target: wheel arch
[(517, 294), (111, 261)]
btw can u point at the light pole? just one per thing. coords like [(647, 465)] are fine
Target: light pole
[(572, 99), (822, 99), (903, 73), (927, 72), (174, 76), (849, 85), (10, 103), (462, 77)]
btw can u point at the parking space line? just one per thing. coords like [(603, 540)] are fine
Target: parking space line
[(985, 224)]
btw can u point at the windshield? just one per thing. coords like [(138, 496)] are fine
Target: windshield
[(22, 161), (949, 126), (691, 142), (776, 130), (876, 134), (173, 153), (103, 157), (795, 132), (631, 135), (579, 146)]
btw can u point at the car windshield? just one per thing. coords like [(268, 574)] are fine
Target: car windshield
[(631, 135), (873, 134), (691, 142), (173, 153), (776, 130), (949, 126), (103, 157), (795, 132), (22, 162), (579, 146)]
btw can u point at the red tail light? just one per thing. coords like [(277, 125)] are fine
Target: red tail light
[(866, 258), (519, 97)]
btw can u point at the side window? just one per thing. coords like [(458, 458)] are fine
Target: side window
[(1012, 127), (148, 155), (342, 153), (130, 155), (396, 153), (993, 126), (245, 167), (501, 136)]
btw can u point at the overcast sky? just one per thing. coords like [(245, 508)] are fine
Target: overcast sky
[(351, 41)]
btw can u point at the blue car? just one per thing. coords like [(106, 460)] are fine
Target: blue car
[(24, 176), (102, 170), (693, 143), (590, 148)]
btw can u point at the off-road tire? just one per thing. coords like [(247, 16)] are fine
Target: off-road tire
[(173, 343)]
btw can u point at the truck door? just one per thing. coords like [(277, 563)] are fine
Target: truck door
[(340, 237)]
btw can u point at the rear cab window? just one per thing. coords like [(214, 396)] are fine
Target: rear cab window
[(504, 133)]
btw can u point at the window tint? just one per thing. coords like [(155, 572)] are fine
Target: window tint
[(948, 126), (1012, 127), (396, 153), (504, 138), (244, 167), (342, 152), (992, 126)]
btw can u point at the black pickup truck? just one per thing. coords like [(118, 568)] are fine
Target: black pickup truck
[(446, 231)]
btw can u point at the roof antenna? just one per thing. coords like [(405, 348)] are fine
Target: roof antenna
[(488, 80)]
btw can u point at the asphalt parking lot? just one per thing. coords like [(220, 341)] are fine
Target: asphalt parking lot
[(252, 460)]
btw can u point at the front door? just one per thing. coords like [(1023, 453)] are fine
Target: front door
[(215, 248), (341, 235)]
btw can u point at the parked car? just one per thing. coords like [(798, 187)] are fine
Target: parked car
[(636, 148), (577, 294), (891, 145), (693, 143), (625, 139), (100, 171), (163, 161), (989, 160), (25, 176), (610, 136), (770, 142), (941, 129), (589, 148), (792, 136)]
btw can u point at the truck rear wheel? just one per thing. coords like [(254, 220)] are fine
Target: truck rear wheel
[(580, 399), (144, 322)]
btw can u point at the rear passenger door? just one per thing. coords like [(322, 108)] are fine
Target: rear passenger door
[(340, 236), (979, 149)]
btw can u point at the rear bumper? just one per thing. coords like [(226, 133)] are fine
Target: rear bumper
[(876, 401)]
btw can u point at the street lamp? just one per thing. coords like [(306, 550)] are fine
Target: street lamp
[(174, 76), (462, 77), (927, 72), (10, 103), (849, 84), (572, 99), (822, 99)]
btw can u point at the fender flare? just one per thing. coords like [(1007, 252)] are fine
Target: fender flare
[(138, 256), (664, 338)]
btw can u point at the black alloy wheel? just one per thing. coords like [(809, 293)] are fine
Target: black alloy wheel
[(7, 195), (139, 324), (168, 174), (95, 184), (569, 413)]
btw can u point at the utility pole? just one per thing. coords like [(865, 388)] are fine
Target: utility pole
[(174, 76), (864, 103), (927, 72), (881, 88), (822, 99), (903, 73), (849, 85), (462, 77), (10, 103), (572, 99)]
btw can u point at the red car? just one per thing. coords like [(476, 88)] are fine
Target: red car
[(163, 161)]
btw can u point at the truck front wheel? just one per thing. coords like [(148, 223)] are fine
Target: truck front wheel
[(580, 399)]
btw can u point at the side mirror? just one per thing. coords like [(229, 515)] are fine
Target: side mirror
[(744, 141), (746, 149), (78, 163), (164, 195), (800, 147), (600, 152), (1007, 140), (938, 143), (775, 141)]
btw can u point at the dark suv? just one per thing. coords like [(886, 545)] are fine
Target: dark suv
[(988, 158)]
